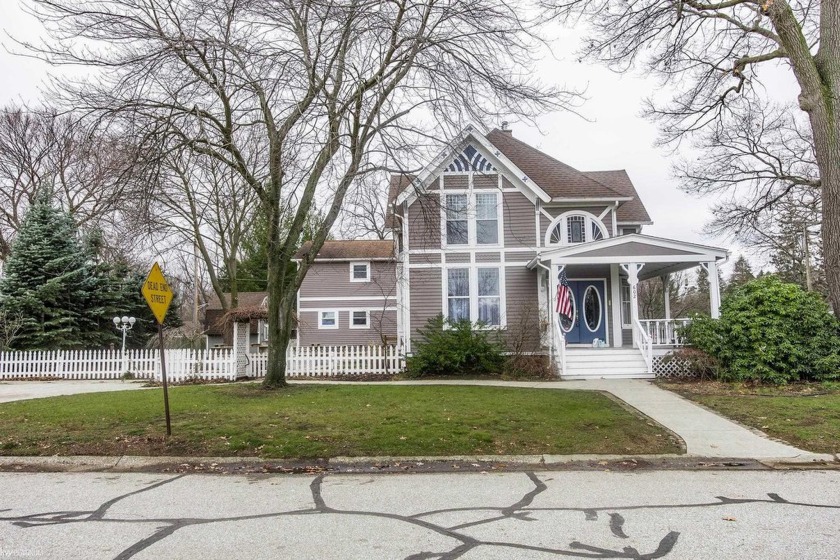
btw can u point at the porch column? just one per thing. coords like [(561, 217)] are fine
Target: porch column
[(714, 288), (632, 270), (666, 291), (615, 298)]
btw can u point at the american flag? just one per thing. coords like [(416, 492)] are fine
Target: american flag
[(564, 295)]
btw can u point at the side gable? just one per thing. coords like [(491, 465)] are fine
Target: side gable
[(631, 211), (555, 177)]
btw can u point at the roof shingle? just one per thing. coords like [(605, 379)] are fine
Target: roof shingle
[(355, 249)]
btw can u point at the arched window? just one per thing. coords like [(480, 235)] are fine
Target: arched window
[(575, 227)]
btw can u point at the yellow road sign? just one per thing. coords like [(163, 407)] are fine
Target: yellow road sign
[(157, 293)]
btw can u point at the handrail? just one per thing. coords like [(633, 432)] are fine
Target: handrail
[(665, 332), (559, 345), (645, 344)]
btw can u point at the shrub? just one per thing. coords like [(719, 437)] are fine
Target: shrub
[(455, 349), (771, 332)]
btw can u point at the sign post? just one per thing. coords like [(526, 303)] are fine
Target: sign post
[(159, 296)]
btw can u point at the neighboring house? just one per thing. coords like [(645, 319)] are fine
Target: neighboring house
[(349, 295), (217, 330)]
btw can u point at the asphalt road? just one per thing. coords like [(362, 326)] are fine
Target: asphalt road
[(658, 514)]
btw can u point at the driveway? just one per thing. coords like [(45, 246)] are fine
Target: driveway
[(641, 515), (22, 390)]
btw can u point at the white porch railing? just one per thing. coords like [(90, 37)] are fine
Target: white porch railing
[(317, 361), (645, 344), (664, 332)]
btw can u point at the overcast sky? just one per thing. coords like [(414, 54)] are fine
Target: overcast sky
[(612, 135)]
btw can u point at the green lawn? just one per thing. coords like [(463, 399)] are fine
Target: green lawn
[(328, 420), (807, 415)]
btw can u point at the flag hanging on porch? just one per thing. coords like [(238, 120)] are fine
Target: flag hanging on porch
[(564, 295)]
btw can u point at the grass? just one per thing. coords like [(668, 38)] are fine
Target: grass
[(307, 421), (804, 415)]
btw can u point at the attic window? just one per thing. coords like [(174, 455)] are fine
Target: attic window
[(575, 227)]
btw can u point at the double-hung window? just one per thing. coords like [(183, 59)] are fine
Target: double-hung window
[(458, 294), (486, 219), (474, 295), (489, 297), (360, 272), (457, 221), (472, 218), (328, 319), (359, 319)]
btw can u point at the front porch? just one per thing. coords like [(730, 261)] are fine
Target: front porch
[(601, 333)]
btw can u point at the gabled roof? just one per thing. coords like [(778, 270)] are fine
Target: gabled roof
[(490, 154), (245, 299), (556, 178), (631, 210), (364, 249)]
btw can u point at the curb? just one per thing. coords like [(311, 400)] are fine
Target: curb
[(134, 463)]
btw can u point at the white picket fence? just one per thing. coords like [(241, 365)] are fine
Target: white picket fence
[(331, 361), (186, 364)]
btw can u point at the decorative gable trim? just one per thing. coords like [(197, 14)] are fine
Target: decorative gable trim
[(470, 159), (493, 155)]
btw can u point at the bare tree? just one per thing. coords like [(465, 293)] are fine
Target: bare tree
[(209, 210), (364, 215), (330, 87), (88, 170), (712, 51)]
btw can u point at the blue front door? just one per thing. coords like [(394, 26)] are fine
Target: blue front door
[(589, 312)]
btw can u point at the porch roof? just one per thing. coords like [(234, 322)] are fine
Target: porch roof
[(659, 254)]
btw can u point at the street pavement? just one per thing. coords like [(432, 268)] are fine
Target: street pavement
[(472, 516)]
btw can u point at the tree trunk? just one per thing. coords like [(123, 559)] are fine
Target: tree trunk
[(819, 79)]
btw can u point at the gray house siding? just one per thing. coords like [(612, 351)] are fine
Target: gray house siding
[(425, 297), (332, 279), (523, 321), (519, 220), (327, 286), (424, 223), (380, 322)]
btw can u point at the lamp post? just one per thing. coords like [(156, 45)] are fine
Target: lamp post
[(124, 324)]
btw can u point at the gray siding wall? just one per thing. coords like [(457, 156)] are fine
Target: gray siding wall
[(455, 182), (424, 223), (486, 181), (523, 321), (332, 279), (425, 296), (380, 322), (519, 220)]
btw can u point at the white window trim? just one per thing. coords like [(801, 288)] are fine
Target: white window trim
[(473, 279), (366, 326), (322, 326), (564, 233), (358, 280), (470, 192)]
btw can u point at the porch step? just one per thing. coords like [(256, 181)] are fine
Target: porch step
[(605, 363)]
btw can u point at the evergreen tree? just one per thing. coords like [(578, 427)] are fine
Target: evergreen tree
[(741, 274), (54, 285)]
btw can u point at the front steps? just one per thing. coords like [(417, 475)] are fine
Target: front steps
[(605, 363)]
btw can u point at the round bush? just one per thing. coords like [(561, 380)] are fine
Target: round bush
[(771, 332)]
